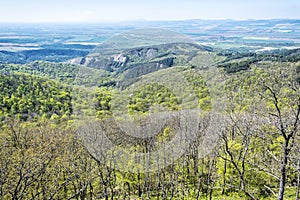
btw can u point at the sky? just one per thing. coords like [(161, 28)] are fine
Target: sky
[(132, 10)]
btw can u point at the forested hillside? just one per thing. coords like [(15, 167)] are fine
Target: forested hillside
[(243, 110), (27, 97)]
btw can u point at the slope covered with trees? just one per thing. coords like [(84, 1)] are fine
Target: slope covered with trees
[(248, 149), (27, 96)]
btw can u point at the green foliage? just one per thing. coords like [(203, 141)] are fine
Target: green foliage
[(25, 96), (200, 88), (68, 74), (49, 162), (236, 62), (150, 96), (103, 105), (236, 66)]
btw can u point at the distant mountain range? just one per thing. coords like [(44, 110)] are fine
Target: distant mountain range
[(24, 43)]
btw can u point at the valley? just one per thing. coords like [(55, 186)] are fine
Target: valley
[(191, 109)]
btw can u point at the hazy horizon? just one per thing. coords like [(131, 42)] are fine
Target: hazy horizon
[(138, 21), (34, 11)]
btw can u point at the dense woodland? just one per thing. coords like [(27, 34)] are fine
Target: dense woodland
[(256, 154), (52, 53)]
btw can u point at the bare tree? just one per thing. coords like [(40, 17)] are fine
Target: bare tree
[(236, 144), (282, 102)]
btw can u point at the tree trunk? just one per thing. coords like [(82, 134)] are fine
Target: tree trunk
[(224, 177), (283, 170), (298, 181)]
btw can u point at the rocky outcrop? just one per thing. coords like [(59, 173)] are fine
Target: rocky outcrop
[(142, 60)]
